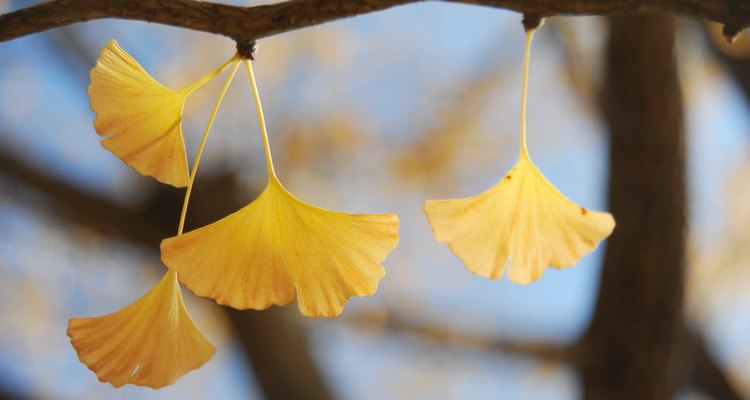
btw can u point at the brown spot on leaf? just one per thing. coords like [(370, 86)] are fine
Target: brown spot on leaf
[(583, 211), (508, 176)]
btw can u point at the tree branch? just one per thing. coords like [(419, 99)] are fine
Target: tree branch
[(545, 351), (245, 24), (81, 207)]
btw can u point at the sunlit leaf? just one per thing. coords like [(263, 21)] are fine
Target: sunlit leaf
[(259, 255), (151, 342), (523, 221), (139, 117)]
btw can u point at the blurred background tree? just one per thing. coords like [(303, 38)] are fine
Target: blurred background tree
[(378, 113)]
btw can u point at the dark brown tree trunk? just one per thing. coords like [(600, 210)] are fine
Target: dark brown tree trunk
[(637, 325)]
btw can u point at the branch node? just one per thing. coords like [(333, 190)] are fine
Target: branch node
[(532, 21), (731, 32), (247, 49)]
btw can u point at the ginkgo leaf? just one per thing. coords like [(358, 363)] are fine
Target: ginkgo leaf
[(139, 117), (524, 219), (257, 256), (151, 342)]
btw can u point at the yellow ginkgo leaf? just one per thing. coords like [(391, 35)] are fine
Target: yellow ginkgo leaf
[(151, 342), (257, 256), (141, 118), (522, 218)]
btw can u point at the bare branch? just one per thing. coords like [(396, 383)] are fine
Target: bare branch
[(79, 206), (245, 24), (391, 321)]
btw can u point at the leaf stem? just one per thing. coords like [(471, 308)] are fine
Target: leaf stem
[(235, 65), (212, 74), (526, 56), (261, 119)]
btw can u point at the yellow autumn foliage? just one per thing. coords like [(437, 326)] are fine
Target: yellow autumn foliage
[(139, 118), (523, 221), (151, 342)]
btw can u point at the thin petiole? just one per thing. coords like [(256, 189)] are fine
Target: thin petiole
[(261, 120), (212, 74), (526, 56), (235, 65)]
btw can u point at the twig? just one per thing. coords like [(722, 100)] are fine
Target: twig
[(245, 24), (391, 321)]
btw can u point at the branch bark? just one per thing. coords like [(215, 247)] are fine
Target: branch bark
[(245, 24)]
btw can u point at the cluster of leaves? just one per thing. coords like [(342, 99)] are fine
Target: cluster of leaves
[(278, 247)]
